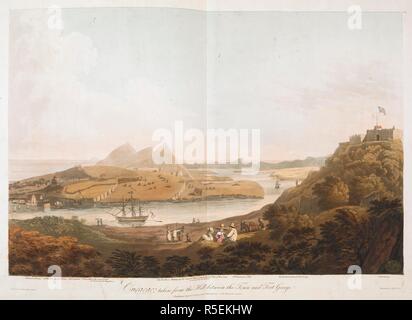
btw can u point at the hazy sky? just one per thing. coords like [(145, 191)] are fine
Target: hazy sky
[(114, 75)]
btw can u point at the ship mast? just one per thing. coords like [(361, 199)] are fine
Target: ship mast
[(123, 208), (140, 208), (132, 204)]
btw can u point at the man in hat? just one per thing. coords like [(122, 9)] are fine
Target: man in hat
[(232, 235)]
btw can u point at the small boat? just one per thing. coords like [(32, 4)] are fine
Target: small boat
[(130, 214)]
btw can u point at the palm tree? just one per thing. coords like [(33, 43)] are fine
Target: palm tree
[(126, 263), (177, 266), (150, 267)]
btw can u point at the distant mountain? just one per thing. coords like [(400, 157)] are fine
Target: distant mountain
[(126, 156), (122, 156), (143, 158), (308, 162)]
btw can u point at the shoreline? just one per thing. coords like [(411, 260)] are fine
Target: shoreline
[(153, 238), (105, 205)]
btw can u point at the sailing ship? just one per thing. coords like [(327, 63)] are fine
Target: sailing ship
[(129, 214)]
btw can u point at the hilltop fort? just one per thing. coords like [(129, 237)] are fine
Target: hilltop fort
[(376, 134)]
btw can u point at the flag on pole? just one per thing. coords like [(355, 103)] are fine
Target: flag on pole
[(382, 110)]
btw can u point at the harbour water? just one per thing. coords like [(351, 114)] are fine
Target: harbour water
[(23, 169), (180, 212)]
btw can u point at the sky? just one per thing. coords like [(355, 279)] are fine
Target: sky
[(114, 75)]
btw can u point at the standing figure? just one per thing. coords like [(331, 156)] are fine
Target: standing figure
[(243, 226), (180, 233), (174, 235), (168, 234)]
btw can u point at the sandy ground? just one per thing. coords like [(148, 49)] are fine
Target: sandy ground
[(150, 185), (292, 173)]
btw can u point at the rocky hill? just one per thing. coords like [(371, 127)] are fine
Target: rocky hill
[(353, 175), (126, 156), (350, 212), (122, 156)]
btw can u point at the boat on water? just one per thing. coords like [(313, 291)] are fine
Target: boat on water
[(131, 213)]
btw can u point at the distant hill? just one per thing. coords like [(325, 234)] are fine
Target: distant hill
[(74, 173), (264, 165), (143, 158), (307, 162), (126, 156), (122, 156)]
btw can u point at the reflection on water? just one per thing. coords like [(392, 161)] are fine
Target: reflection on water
[(180, 212)]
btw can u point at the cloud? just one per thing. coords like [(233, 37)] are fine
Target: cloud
[(54, 111)]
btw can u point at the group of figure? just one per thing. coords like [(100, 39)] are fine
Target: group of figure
[(195, 220), (175, 235), (222, 234), (99, 221), (252, 226)]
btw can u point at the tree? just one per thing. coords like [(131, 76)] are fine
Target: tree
[(295, 254), (332, 192), (126, 263), (280, 218), (344, 240), (242, 257), (205, 253), (362, 186), (32, 253), (386, 220), (177, 266), (150, 266)]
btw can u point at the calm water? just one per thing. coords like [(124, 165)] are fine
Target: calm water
[(184, 212), (23, 169)]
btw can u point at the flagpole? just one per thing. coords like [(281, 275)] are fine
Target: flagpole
[(376, 118)]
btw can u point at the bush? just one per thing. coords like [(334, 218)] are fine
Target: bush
[(332, 192), (32, 253)]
